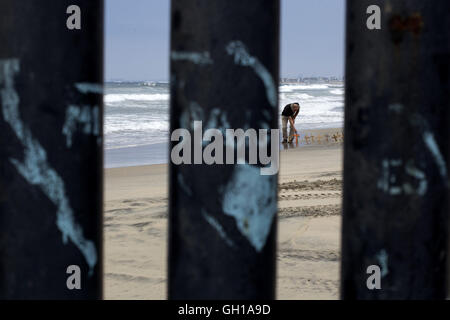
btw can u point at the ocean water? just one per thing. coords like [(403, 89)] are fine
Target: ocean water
[(137, 117), (321, 105), (136, 114)]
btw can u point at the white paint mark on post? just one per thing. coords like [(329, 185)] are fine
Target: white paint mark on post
[(86, 116), (396, 107), (388, 179), (419, 175), (85, 87), (243, 58), (383, 261), (431, 144), (217, 120), (194, 112), (216, 225), (251, 199), (35, 168), (200, 58), (183, 185)]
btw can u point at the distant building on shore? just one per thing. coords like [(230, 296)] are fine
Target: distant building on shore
[(312, 79)]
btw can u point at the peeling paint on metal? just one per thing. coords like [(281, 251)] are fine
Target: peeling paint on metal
[(251, 199), (218, 227), (183, 185), (194, 112), (419, 175), (35, 169), (382, 258), (86, 116), (386, 179), (200, 58), (85, 87), (243, 58), (396, 107), (431, 144)]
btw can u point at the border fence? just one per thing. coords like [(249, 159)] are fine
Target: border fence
[(51, 124), (395, 209), (222, 219)]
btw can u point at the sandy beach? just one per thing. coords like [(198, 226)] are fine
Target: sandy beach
[(310, 179)]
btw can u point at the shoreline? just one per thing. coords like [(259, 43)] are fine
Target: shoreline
[(158, 153), (149, 154)]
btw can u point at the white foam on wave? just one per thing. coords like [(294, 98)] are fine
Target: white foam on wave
[(319, 110), (301, 96), (112, 98), (337, 91), (322, 105), (293, 87), (133, 125)]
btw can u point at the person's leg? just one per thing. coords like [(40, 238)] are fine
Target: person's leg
[(284, 124), (291, 132)]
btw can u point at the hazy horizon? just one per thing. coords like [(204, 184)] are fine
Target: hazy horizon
[(137, 39)]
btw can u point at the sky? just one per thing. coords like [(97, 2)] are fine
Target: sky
[(137, 39)]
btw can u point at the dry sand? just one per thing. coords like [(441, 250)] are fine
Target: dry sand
[(308, 225)]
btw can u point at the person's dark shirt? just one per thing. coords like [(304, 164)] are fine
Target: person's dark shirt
[(288, 112)]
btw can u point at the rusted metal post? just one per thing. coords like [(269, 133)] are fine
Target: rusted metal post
[(51, 165), (224, 73), (396, 151)]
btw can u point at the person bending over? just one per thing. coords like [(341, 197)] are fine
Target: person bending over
[(289, 114)]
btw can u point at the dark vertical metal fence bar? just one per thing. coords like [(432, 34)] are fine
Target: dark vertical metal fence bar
[(224, 72), (397, 150), (51, 162)]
